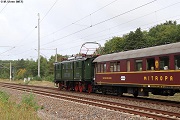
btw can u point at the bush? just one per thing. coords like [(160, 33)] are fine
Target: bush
[(37, 78), (28, 100), (4, 97), (26, 110), (49, 78)]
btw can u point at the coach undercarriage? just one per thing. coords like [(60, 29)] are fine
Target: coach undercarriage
[(135, 91)]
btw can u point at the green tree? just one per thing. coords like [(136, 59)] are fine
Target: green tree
[(167, 32), (43, 67), (20, 64), (134, 40), (116, 44)]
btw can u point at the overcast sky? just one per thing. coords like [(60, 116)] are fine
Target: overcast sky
[(67, 24)]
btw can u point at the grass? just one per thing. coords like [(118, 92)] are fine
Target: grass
[(25, 110), (31, 82)]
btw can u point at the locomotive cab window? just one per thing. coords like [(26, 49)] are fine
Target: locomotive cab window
[(63, 66), (138, 65), (71, 66), (58, 67), (78, 64), (67, 66), (164, 63), (177, 62), (150, 64)]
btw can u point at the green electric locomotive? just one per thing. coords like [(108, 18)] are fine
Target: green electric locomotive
[(75, 74)]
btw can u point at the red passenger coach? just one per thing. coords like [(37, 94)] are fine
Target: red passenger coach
[(138, 72)]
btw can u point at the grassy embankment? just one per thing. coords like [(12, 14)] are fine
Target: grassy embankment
[(31, 82), (25, 110)]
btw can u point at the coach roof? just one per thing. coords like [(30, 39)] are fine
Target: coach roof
[(145, 52)]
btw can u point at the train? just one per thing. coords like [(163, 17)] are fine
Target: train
[(138, 72)]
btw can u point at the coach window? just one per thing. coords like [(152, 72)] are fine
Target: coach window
[(104, 65), (111, 67), (138, 65), (118, 66), (96, 68), (164, 63), (114, 66), (150, 64), (128, 66), (99, 67), (177, 62)]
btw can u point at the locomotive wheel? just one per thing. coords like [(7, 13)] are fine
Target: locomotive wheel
[(76, 88), (80, 88), (89, 88), (60, 86), (68, 88)]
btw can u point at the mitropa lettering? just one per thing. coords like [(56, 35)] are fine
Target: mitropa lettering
[(107, 78), (158, 78)]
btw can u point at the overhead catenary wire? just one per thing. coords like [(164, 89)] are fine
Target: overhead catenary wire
[(42, 54), (36, 26), (7, 50), (68, 25), (129, 20), (40, 21), (133, 19), (101, 22), (119, 34), (114, 26), (81, 18), (49, 10), (3, 7), (106, 38)]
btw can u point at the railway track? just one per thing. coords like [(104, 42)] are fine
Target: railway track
[(132, 109), (145, 100)]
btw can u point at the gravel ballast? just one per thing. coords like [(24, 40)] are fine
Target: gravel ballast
[(59, 109)]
